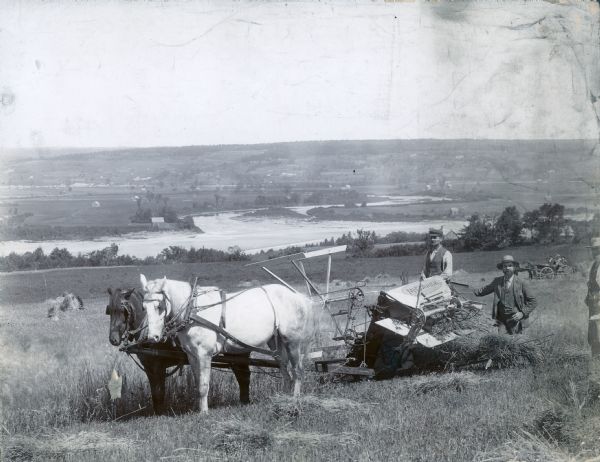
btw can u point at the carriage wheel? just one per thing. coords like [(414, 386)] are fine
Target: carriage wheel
[(547, 273)]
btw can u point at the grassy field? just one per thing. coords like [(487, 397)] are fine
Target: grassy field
[(55, 404)]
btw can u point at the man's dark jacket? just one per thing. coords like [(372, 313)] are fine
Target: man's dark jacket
[(524, 300)]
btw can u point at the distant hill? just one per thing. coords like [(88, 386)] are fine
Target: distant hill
[(545, 168)]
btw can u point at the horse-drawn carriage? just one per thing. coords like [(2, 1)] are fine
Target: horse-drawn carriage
[(556, 266), (173, 323)]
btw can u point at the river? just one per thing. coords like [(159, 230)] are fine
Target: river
[(230, 229)]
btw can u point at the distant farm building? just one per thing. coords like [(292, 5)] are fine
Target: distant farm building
[(567, 232), (159, 223), (454, 211)]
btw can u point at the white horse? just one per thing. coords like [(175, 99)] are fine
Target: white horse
[(270, 316)]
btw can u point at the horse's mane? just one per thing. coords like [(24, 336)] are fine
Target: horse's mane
[(182, 284)]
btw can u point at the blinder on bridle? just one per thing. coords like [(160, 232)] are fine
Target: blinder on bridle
[(123, 304)]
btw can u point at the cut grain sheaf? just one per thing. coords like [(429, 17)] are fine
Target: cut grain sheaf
[(459, 381), (293, 407), (55, 445), (65, 302)]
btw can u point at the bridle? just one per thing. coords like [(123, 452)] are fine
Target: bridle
[(157, 297), (180, 317), (160, 298), (127, 309)]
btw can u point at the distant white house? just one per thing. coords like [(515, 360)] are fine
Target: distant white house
[(158, 223), (567, 232)]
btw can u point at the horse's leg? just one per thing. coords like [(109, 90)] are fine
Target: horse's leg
[(242, 375), (201, 364), (294, 352), (156, 372), (283, 362)]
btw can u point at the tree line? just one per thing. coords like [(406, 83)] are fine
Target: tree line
[(544, 225), (62, 258)]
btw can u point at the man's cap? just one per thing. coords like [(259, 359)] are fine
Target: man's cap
[(594, 243), (436, 232), (507, 259)]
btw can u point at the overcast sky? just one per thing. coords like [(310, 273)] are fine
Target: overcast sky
[(183, 73)]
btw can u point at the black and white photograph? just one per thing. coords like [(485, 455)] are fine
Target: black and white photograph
[(305, 230)]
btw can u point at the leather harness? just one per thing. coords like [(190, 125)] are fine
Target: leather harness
[(190, 312)]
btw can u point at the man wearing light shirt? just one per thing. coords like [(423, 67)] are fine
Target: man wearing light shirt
[(438, 261), (513, 300)]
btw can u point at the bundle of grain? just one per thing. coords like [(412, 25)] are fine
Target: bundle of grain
[(65, 302), (491, 350), (70, 302), (234, 434), (60, 445), (511, 351), (53, 308), (316, 439), (459, 315), (458, 381), (525, 448), (285, 406), (551, 424)]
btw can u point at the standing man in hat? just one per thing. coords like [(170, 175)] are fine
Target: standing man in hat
[(592, 300), (438, 261), (513, 300)]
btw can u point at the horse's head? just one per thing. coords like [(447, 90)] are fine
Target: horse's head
[(121, 314), (157, 305)]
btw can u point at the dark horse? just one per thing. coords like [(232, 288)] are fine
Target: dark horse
[(128, 322)]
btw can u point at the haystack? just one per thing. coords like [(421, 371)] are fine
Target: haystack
[(65, 302)]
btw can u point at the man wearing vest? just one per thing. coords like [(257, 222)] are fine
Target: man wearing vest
[(513, 300), (592, 300), (438, 261)]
